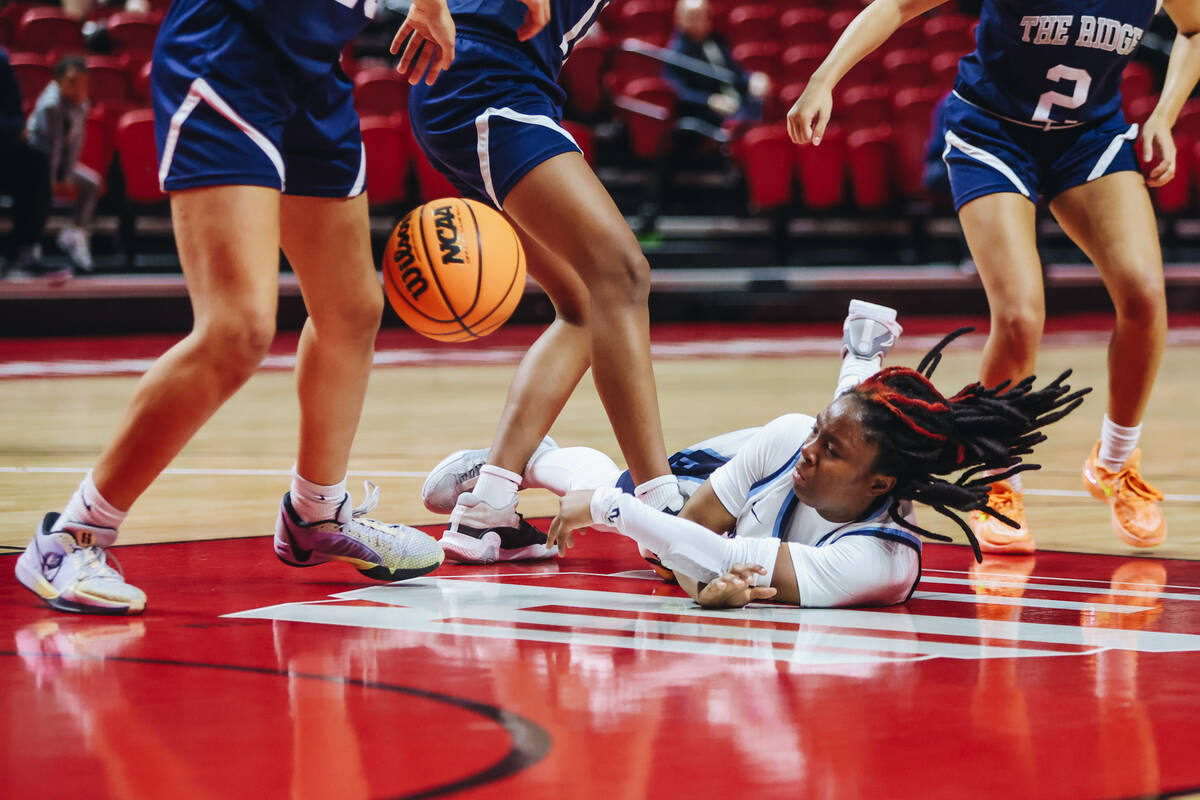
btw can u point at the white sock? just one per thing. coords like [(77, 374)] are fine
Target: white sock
[(1014, 481), (87, 508), (497, 486), (1117, 443), (661, 493), (567, 469), (681, 544), (854, 371), (315, 502)]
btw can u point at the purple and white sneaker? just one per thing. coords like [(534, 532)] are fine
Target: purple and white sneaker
[(378, 550), (74, 577)]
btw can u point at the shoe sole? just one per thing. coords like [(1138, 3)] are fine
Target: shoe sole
[(1097, 492), (486, 549), (45, 590), (374, 571), (1019, 547)]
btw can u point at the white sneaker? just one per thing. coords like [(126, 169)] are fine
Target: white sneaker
[(458, 473), (72, 577), (378, 550), (869, 331), (74, 242), (480, 533)]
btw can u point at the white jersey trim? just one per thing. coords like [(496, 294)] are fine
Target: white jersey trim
[(984, 157), (483, 135), (360, 182), (579, 27)]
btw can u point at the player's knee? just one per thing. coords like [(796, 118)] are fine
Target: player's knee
[(1020, 327), (237, 346), (354, 320), (1143, 302), (623, 279), (573, 307)]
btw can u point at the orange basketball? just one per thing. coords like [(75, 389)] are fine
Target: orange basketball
[(454, 270)]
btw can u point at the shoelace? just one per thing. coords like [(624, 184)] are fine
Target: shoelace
[(95, 564), (368, 504), (1131, 480), (1006, 502)]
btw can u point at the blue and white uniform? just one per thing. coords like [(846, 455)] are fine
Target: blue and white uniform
[(249, 92), (872, 561), (495, 114), (1036, 108)]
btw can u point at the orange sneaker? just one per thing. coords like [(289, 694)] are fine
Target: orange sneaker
[(993, 535), (1137, 518)]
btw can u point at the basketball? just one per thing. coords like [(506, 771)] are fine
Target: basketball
[(454, 270)]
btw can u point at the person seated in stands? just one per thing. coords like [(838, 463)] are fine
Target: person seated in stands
[(25, 176), (710, 84), (56, 127)]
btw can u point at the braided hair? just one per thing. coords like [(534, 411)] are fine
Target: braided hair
[(980, 432)]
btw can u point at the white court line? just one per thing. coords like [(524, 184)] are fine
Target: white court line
[(1175, 498), (1050, 587), (1101, 583)]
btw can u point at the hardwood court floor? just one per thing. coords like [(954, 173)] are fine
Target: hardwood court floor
[(228, 480)]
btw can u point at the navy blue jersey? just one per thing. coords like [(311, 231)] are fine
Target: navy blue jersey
[(310, 33), (1052, 62), (569, 21)]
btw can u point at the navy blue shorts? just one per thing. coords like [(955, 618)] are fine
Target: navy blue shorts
[(231, 110), (489, 119), (986, 154)]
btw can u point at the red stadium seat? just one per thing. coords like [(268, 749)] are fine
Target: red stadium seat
[(801, 26), (949, 33), (140, 82), (753, 23), (1187, 125), (869, 152), (646, 21), (579, 76), (625, 66), (387, 159), (379, 90), (908, 36), (133, 33), (906, 68), (33, 73), (759, 57), (911, 128), (108, 81), (46, 28), (822, 172), (97, 152), (800, 62), (1176, 195), (583, 137), (768, 158), (1137, 81), (866, 106), (838, 21), (432, 184), (868, 72), (6, 32), (647, 107), (943, 69), (1138, 110), (139, 160)]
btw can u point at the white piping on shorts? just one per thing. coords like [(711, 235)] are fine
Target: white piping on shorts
[(578, 28), (983, 156), (361, 180), (482, 132), (1111, 151), (201, 90)]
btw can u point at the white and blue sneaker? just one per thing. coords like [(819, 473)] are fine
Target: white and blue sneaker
[(458, 473), (480, 533), (71, 576), (378, 550)]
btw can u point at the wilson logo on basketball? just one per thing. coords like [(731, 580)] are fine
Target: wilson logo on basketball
[(447, 235), (402, 257)]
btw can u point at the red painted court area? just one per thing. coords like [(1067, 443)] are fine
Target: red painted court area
[(1060, 675)]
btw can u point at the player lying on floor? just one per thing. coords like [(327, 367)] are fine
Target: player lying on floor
[(820, 509)]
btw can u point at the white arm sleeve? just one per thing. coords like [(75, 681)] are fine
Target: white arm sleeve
[(768, 452), (855, 571)]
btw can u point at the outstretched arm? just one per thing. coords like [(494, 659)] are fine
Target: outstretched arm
[(871, 28)]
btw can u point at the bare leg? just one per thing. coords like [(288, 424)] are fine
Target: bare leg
[(1001, 232), (327, 242), (552, 367), (1112, 221), (228, 239), (562, 205)]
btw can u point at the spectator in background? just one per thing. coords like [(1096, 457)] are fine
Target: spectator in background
[(703, 95), (26, 177), (56, 127)]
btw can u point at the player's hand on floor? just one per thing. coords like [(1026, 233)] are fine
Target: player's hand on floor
[(427, 34), (810, 114), (1158, 145), (734, 589), (574, 512), (535, 19)]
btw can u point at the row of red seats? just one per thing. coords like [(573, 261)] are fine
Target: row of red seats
[(47, 30)]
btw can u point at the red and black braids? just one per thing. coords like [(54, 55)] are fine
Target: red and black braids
[(981, 432)]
